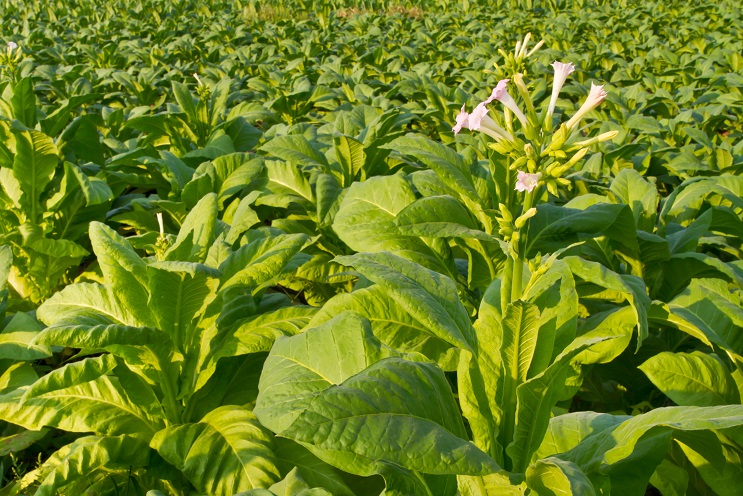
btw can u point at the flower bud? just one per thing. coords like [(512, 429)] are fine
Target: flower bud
[(521, 221)]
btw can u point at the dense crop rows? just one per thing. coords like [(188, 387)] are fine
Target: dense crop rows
[(243, 250)]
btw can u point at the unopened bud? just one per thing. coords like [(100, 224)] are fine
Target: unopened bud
[(521, 221)]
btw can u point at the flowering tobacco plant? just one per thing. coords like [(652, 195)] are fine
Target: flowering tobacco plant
[(537, 148)]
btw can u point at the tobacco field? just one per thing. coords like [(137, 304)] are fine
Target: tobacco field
[(432, 248)]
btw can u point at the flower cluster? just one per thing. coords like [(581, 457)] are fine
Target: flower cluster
[(542, 152)]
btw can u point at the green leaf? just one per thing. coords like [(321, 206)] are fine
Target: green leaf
[(224, 453), (448, 164), (554, 227), (23, 102), (628, 287), (692, 379), (261, 261), (431, 298), (99, 406), (438, 216), (177, 298), (704, 311), (123, 270), (16, 340), (552, 290), (185, 101), (149, 349), (629, 452), (295, 148), (350, 154), (566, 431), (480, 377), (717, 456), (34, 166), (16, 443), (77, 466), (385, 416), (85, 370), (366, 220), (394, 326), (295, 371), (254, 335), (630, 188), (555, 477), (85, 304), (197, 232), (536, 398), (293, 456)]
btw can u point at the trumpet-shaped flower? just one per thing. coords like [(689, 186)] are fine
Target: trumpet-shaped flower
[(479, 120), (12, 45), (501, 94), (462, 121), (595, 97), (562, 71), (526, 181)]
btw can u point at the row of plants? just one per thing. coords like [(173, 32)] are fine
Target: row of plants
[(275, 256)]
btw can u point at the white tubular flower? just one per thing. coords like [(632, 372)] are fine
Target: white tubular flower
[(562, 71), (12, 45), (462, 120), (198, 79), (501, 94), (595, 97), (479, 120)]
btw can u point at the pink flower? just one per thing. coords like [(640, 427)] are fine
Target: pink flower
[(595, 97), (501, 94), (527, 182), (462, 120), (498, 91), (562, 71), (476, 117)]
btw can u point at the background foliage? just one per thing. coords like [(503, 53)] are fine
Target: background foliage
[(313, 195)]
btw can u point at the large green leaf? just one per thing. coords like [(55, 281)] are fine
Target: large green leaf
[(16, 340), (628, 453), (394, 411), (705, 310), (365, 220), (556, 477), (148, 349), (391, 323), (226, 452), (480, 377), (555, 227), (86, 461), (86, 304), (296, 370), (626, 287), (253, 335), (99, 406), (297, 149), (428, 296), (566, 431), (692, 379)]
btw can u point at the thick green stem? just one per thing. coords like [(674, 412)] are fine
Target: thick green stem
[(516, 282), (505, 287), (518, 263)]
